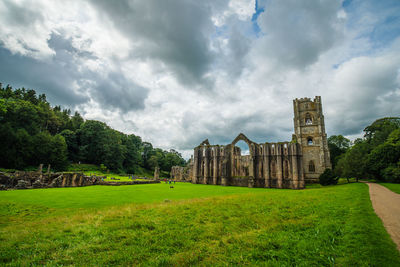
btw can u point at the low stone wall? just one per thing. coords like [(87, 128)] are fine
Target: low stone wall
[(239, 181), (30, 180)]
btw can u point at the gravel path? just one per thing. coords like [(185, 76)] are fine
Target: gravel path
[(386, 204)]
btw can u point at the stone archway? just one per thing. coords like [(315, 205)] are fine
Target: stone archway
[(251, 145)]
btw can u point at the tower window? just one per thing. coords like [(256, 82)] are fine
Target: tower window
[(308, 119), (311, 166), (309, 141)]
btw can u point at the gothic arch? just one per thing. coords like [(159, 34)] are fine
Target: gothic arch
[(311, 166), (308, 120), (242, 137)]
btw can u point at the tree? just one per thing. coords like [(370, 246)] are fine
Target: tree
[(58, 152), (72, 145), (33, 132), (328, 178), (133, 157), (92, 138), (353, 164), (338, 145), (379, 130), (383, 161)]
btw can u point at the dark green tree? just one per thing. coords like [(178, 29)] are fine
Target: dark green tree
[(338, 145), (328, 178)]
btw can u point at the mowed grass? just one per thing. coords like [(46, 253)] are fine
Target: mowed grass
[(198, 225), (100, 196), (394, 187), (91, 169)]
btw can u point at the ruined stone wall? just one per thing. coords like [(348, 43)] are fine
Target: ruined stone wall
[(275, 165), (26, 180), (179, 173)]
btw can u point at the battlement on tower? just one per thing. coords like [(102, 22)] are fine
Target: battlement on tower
[(317, 99)]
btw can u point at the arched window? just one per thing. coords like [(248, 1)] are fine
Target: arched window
[(202, 167), (309, 141), (311, 166), (308, 119), (211, 168)]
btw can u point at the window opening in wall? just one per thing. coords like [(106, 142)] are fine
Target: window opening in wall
[(244, 148), (273, 169), (211, 168), (311, 166), (286, 169), (309, 141), (308, 119)]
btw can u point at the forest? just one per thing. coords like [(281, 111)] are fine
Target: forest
[(375, 156), (33, 132)]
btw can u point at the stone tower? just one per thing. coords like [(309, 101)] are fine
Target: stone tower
[(309, 128)]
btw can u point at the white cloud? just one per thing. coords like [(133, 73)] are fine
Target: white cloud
[(179, 72)]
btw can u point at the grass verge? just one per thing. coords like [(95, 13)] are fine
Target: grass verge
[(333, 225), (394, 187)]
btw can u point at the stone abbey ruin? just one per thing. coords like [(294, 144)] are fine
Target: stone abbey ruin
[(276, 165)]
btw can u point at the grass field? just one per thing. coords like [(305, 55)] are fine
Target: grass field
[(155, 225), (394, 187), (91, 169)]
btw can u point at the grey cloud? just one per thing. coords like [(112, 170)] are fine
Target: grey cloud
[(297, 32), (239, 46), (366, 89), (21, 15), (116, 91), (45, 77), (175, 33), (58, 76), (233, 61), (223, 130)]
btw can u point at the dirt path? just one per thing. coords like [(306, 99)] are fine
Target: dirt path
[(387, 206)]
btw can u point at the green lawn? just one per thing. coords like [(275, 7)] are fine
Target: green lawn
[(394, 187), (154, 225), (91, 169)]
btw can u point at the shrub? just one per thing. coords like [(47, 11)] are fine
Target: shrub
[(392, 173), (328, 178), (103, 168)]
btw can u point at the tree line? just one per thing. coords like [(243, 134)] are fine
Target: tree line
[(375, 156), (33, 132)]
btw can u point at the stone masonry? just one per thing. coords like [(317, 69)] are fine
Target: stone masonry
[(276, 165)]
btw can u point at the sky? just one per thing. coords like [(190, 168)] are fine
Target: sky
[(176, 72)]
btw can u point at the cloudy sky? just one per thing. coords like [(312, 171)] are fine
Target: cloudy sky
[(177, 72)]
